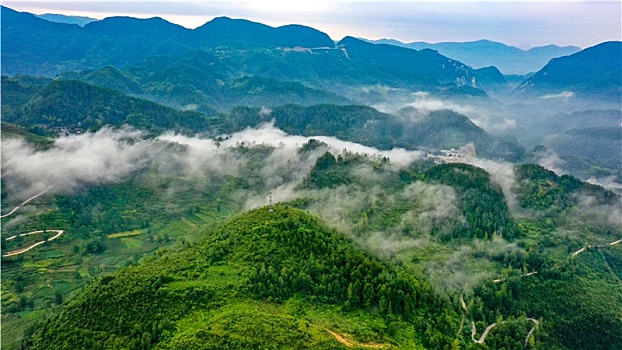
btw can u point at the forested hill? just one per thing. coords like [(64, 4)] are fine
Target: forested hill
[(595, 72), (221, 293), (63, 103), (365, 125), (34, 46), (198, 82)]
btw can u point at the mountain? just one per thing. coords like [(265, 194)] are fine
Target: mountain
[(31, 44), (236, 48), (240, 33), (431, 235), (438, 130), (492, 81), (64, 103), (198, 84), (79, 20), (589, 151), (235, 295), (34, 46), (483, 53), (593, 118), (128, 41), (446, 129), (284, 279), (593, 73), (422, 68)]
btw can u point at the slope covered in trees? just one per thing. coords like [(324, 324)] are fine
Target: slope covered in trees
[(365, 125), (63, 103), (200, 82), (244, 274), (591, 73), (419, 236)]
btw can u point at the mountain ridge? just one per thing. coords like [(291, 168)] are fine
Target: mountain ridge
[(595, 72), (481, 53)]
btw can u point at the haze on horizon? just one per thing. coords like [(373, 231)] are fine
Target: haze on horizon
[(522, 24)]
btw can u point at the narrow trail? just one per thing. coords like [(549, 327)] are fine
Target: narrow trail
[(463, 316), (521, 276), (24, 203), (595, 246), (24, 250), (343, 339)]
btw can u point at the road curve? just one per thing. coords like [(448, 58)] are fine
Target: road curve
[(535, 324), (24, 250), (24, 203), (483, 337)]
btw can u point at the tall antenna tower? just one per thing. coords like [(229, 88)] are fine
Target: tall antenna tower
[(270, 206)]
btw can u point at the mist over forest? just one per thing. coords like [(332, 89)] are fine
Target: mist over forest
[(241, 186)]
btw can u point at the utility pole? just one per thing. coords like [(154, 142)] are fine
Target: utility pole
[(270, 206)]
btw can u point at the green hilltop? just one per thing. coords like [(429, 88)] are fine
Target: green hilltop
[(269, 279)]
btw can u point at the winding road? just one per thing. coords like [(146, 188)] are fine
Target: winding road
[(595, 246), (24, 203), (535, 324), (572, 255), (482, 338), (24, 250)]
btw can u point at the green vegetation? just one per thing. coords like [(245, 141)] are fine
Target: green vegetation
[(61, 104), (12, 131), (179, 250), (365, 125), (279, 257), (418, 237), (432, 232), (196, 83), (64, 103), (481, 202)]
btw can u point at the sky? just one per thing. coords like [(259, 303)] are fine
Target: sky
[(523, 24)]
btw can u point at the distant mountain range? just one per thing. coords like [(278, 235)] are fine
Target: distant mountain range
[(595, 72), (79, 20), (483, 53), (178, 66), (34, 46)]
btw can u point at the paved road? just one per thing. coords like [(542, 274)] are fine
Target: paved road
[(24, 250), (24, 203)]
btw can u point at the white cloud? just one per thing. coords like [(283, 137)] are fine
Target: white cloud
[(561, 95)]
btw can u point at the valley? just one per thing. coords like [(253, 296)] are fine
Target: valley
[(242, 186)]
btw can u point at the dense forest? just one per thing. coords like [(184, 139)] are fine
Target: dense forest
[(292, 274), (66, 103), (242, 186), (281, 256)]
